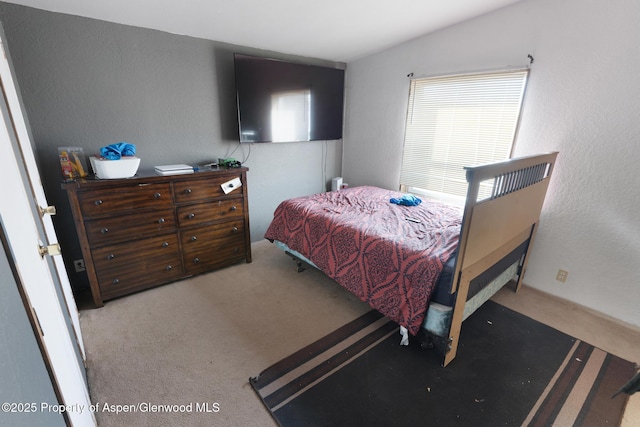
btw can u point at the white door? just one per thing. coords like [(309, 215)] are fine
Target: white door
[(24, 376), (22, 135), (21, 195)]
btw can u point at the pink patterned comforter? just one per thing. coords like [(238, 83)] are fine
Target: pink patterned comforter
[(366, 244)]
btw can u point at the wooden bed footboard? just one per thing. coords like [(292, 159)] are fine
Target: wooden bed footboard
[(502, 210)]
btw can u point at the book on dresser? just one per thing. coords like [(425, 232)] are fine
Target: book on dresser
[(174, 169), (153, 229)]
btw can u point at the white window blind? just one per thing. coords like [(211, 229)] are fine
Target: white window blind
[(458, 121)]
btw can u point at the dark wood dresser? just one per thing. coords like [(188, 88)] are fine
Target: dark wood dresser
[(141, 232)]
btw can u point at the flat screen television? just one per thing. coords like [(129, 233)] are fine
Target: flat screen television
[(280, 101)]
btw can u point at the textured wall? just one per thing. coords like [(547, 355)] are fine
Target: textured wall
[(90, 83), (583, 99)]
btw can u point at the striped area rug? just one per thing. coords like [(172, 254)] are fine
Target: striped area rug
[(510, 370)]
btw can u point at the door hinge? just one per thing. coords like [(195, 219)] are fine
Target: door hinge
[(50, 250), (49, 210)]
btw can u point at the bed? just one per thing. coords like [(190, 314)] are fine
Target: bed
[(426, 266)]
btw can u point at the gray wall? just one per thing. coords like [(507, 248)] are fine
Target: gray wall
[(582, 100), (90, 83)]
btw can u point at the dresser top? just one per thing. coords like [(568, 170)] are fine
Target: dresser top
[(148, 176)]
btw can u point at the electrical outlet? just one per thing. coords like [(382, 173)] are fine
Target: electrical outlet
[(562, 276), (79, 265)]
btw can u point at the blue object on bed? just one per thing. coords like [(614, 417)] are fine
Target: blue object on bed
[(116, 151), (406, 200)]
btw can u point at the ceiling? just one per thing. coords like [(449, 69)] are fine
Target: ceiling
[(336, 30)]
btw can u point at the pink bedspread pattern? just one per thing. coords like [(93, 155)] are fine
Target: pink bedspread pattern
[(366, 244)]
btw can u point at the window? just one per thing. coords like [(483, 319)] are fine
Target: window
[(458, 121)]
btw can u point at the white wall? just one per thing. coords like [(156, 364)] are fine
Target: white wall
[(583, 99)]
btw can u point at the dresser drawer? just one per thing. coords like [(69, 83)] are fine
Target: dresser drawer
[(118, 257), (109, 201), (212, 211), (188, 191), (128, 267), (207, 254), (133, 226), (197, 237)]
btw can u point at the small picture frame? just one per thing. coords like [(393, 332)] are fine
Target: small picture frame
[(73, 164)]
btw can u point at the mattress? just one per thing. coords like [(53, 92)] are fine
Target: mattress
[(399, 259), (386, 254), (442, 291)]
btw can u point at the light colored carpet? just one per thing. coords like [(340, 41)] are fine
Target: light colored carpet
[(196, 342), (199, 340)]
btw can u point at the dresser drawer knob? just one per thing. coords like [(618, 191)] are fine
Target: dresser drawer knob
[(233, 208), (116, 281), (104, 230), (169, 267), (111, 256), (97, 202), (191, 215), (165, 244), (235, 229), (161, 220), (194, 238), (157, 195), (187, 191), (196, 260)]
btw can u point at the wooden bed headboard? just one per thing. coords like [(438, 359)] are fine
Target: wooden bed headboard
[(502, 210)]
